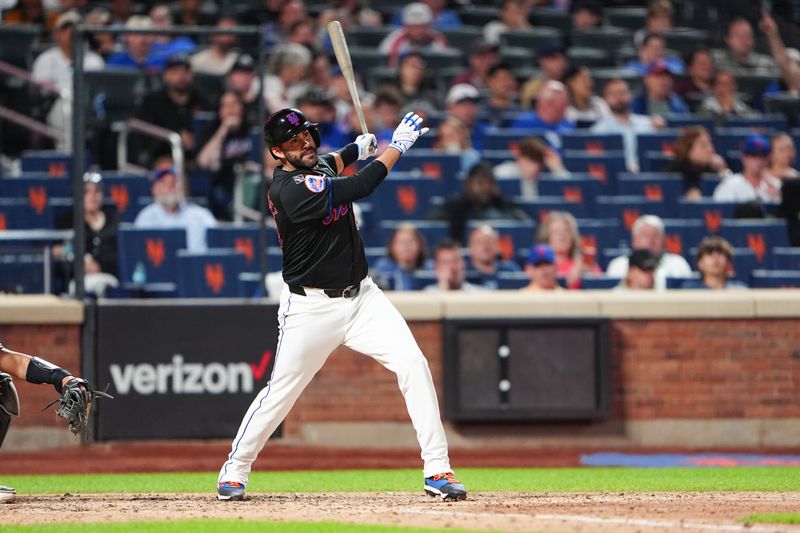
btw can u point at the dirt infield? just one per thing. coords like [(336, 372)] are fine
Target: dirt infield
[(595, 512)]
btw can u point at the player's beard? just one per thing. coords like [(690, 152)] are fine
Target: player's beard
[(307, 159)]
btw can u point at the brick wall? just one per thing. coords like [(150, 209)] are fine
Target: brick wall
[(59, 344)]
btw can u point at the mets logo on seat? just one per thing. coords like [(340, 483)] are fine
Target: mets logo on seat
[(315, 183), (215, 277)]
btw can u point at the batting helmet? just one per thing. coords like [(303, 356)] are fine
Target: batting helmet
[(285, 124)]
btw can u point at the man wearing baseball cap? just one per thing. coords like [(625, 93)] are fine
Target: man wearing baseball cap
[(753, 183), (657, 96), (642, 265), (417, 32), (541, 269)]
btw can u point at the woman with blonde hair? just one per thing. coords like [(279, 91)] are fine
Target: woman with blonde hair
[(781, 157), (559, 229)]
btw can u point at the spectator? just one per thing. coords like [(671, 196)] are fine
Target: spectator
[(641, 272), (416, 33), (30, 12), (789, 66), (228, 145), (101, 43), (121, 11), (350, 13), (443, 18), (241, 80), (585, 107), (552, 62), (412, 78), (449, 267), (485, 262), (549, 114), (513, 16), (659, 20), (618, 97), (406, 252), (387, 105), (700, 70), (480, 200), (288, 77), (695, 156), (658, 98), (715, 262), (453, 138), (541, 269), (462, 105), (100, 227), (276, 30), (219, 58), (790, 209), (482, 56), (173, 106), (753, 184), (530, 160), (189, 14), (164, 45), (781, 158), (53, 70), (171, 210), (136, 52), (587, 14), (319, 109), (723, 102), (648, 233), (502, 92), (559, 229), (652, 51), (739, 56)]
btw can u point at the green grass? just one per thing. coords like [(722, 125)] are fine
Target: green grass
[(209, 526), (747, 479), (773, 518)]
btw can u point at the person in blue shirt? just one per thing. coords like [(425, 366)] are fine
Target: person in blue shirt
[(657, 96), (138, 51), (406, 252), (652, 49), (443, 18), (715, 263), (549, 114)]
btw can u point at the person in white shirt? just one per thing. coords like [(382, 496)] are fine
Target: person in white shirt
[(617, 95), (220, 56), (171, 210), (648, 233), (53, 69), (753, 184)]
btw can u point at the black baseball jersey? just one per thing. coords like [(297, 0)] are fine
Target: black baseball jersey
[(316, 227)]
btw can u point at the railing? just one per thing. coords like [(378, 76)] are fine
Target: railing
[(30, 124), (151, 130)]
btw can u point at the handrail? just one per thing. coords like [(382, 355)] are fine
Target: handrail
[(12, 70), (30, 124), (152, 130)]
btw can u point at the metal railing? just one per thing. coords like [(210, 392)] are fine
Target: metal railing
[(30, 124), (151, 130)]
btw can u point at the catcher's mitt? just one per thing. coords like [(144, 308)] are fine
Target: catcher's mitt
[(75, 403)]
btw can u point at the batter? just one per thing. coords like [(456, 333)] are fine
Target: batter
[(328, 300)]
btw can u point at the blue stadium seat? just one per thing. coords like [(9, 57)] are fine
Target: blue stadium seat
[(579, 187), (51, 163), (605, 167), (274, 259), (374, 253), (606, 255), (155, 249), (758, 122), (775, 279), (250, 285), (627, 209), (242, 238), (598, 282), (649, 144), (761, 236), (709, 182), (507, 138), (744, 263), (655, 186), (712, 213), (682, 121), (513, 235), (211, 274), (22, 272), (538, 208), (400, 198), (24, 213), (681, 235), (512, 280), (602, 233), (509, 187), (37, 186), (433, 231), (424, 278), (678, 283), (495, 157), (128, 192), (441, 166), (786, 258), (655, 161), (595, 143)]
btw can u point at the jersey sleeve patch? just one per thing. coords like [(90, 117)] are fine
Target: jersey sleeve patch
[(315, 183)]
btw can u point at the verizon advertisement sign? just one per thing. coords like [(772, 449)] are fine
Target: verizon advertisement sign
[(181, 371)]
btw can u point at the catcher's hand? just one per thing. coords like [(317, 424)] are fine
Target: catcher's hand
[(75, 403)]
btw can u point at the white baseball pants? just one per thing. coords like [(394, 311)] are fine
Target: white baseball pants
[(309, 328)]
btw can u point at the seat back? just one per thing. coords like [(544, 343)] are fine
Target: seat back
[(154, 249), (211, 274)]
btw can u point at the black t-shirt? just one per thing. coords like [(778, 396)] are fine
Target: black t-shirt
[(236, 148), (320, 240)]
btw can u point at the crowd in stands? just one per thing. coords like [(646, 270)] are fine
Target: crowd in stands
[(672, 92)]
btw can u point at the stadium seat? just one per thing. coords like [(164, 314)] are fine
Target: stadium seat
[(579, 187), (627, 209), (22, 271), (603, 38), (786, 258), (589, 57), (18, 44), (274, 259), (684, 40), (655, 161), (761, 123), (681, 235), (775, 279), (424, 278), (731, 139), (516, 55), (128, 193), (679, 283), (37, 187), (509, 187), (243, 238), (655, 186), (506, 138), (598, 282), (442, 58), (463, 38), (514, 235), (631, 17), (785, 103), (660, 142), (512, 280), (599, 233), (444, 167), (752, 83), (211, 86), (759, 235), (593, 143), (211, 274), (26, 213), (432, 230), (684, 120), (545, 17), (711, 213), (154, 249), (538, 208), (52, 163), (368, 58), (250, 285), (407, 197), (605, 167), (478, 15), (532, 39), (112, 94), (367, 36)]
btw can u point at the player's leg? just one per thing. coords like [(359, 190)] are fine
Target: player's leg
[(309, 330), (9, 406), (377, 329)]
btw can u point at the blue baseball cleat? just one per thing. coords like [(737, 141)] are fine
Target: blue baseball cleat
[(230, 491), (445, 486)]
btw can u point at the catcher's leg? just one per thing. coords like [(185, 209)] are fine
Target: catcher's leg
[(9, 406), (377, 329), (310, 328)]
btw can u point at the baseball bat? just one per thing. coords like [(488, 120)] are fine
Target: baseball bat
[(346, 66)]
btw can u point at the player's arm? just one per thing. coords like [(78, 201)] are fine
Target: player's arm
[(33, 369)]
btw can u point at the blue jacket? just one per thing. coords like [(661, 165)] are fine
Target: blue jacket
[(676, 105)]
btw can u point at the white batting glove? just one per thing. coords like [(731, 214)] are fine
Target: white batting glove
[(407, 132), (367, 144)]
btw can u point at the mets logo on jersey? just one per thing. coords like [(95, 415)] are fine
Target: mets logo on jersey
[(315, 183)]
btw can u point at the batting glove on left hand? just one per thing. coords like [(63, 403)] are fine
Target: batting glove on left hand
[(367, 144), (407, 132)]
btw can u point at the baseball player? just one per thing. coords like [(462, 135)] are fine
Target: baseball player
[(76, 395), (328, 299)]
